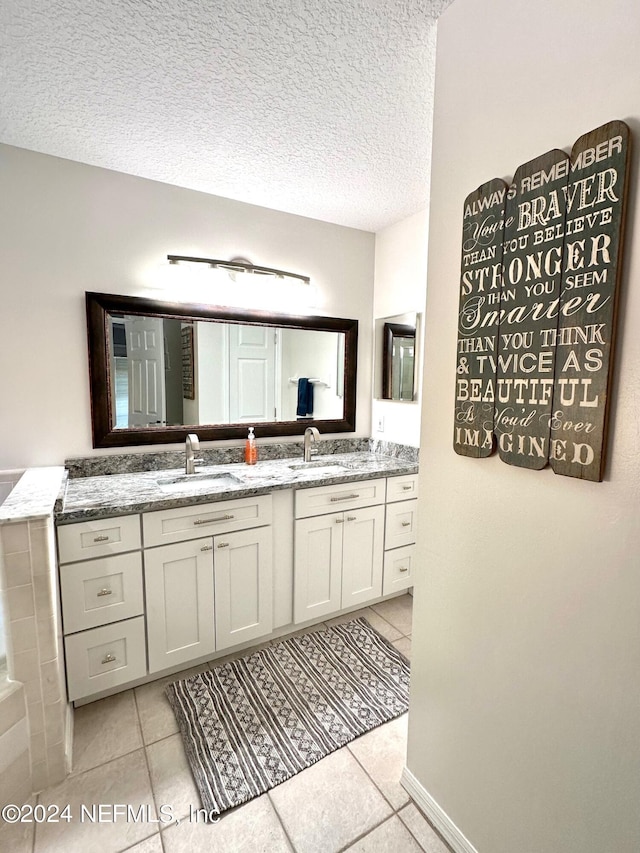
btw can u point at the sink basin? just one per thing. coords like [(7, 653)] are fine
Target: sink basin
[(185, 482), (319, 465)]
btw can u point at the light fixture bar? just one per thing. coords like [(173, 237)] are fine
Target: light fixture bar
[(237, 266)]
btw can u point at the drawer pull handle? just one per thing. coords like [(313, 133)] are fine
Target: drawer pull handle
[(105, 591), (344, 498), (108, 658), (213, 520), (100, 538), (406, 524), (223, 544), (403, 569), (407, 488), (339, 520), (207, 548), (352, 518)]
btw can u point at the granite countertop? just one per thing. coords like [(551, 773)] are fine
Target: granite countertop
[(89, 498)]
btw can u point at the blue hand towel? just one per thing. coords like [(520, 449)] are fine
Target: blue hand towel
[(305, 398)]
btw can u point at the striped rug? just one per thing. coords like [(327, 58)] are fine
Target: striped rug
[(252, 723)]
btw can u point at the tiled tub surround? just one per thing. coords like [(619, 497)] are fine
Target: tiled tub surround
[(34, 640)]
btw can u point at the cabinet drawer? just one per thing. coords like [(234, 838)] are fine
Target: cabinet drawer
[(399, 566), (402, 488), (190, 522), (99, 538), (324, 499), (401, 524), (101, 591), (105, 657)]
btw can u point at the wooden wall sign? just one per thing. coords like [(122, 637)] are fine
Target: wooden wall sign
[(589, 301), (478, 315), (533, 239), (533, 368)]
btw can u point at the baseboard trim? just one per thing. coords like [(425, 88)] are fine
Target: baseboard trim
[(439, 818)]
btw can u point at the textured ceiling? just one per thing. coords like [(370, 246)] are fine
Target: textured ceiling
[(317, 107)]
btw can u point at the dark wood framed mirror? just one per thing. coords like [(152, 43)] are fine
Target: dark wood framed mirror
[(398, 361), (159, 370)]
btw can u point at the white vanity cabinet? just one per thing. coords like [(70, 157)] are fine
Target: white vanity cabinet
[(338, 555), (400, 533), (365, 551), (102, 604), (148, 593), (207, 594)]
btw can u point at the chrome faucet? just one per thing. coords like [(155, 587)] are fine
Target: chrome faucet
[(311, 436), (192, 445)]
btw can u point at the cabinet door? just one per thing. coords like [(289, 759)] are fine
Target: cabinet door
[(179, 597), (362, 555), (243, 586), (317, 566)]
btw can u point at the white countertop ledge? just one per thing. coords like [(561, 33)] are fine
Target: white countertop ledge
[(34, 496)]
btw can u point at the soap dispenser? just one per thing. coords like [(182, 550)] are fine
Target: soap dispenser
[(251, 449)]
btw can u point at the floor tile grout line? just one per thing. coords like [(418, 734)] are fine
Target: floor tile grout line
[(281, 822), (408, 828), (373, 607), (140, 841), (146, 761), (35, 826), (384, 619), (365, 834), (73, 775), (370, 777), (428, 822)]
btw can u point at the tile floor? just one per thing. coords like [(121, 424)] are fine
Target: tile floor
[(127, 750)]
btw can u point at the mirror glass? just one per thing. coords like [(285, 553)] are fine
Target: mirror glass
[(160, 370), (396, 362), (172, 372)]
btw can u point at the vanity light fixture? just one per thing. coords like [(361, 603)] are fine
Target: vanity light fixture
[(238, 265)]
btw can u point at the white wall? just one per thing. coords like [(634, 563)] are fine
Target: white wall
[(400, 287), (212, 397), (314, 355), (524, 722), (66, 228)]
